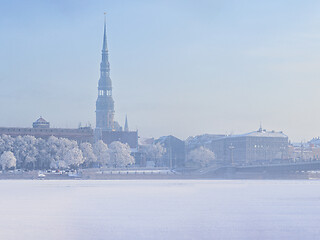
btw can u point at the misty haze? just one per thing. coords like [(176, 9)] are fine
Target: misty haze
[(159, 120)]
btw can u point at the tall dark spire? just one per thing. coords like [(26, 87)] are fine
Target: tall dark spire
[(126, 127), (105, 45), (105, 66), (105, 103)]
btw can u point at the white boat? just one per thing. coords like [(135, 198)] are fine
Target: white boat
[(41, 175)]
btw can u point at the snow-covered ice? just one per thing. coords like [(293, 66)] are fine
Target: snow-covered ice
[(159, 209)]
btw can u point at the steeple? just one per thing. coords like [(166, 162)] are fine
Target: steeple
[(126, 127), (105, 66), (105, 103), (105, 46)]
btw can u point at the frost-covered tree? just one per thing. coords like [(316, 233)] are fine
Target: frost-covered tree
[(53, 152), (6, 143), (201, 156), (25, 151), (31, 151), (7, 160), (88, 155), (155, 152), (19, 148), (120, 155), (60, 164), (2, 145), (43, 158), (101, 151), (63, 153), (73, 157)]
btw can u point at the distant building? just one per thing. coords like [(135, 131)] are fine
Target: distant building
[(41, 129), (175, 151), (107, 129), (305, 151), (131, 138), (251, 148), (204, 140), (141, 156), (41, 123)]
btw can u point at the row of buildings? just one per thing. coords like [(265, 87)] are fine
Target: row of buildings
[(305, 151), (255, 147)]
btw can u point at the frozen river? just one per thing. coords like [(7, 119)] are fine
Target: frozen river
[(159, 209)]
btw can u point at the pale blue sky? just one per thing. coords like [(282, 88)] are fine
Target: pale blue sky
[(178, 67)]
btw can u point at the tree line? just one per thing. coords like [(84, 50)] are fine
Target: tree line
[(28, 152)]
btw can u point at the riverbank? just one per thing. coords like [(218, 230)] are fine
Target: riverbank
[(144, 174)]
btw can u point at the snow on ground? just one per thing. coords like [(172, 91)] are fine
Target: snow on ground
[(159, 209)]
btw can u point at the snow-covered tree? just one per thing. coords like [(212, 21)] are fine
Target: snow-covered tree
[(2, 145), (7, 160), (88, 155), (31, 151), (61, 152), (73, 157), (101, 152), (155, 152), (120, 155), (54, 152), (19, 149), (201, 156), (6, 143), (43, 158), (25, 151), (60, 164)]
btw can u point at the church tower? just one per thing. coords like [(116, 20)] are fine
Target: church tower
[(105, 103)]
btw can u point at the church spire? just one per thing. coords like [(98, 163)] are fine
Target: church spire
[(105, 46), (105, 66), (105, 103), (126, 127)]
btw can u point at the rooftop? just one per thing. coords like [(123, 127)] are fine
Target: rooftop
[(262, 133), (41, 120)]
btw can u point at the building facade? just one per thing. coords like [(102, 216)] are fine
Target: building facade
[(256, 147), (175, 154), (129, 137), (41, 129)]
